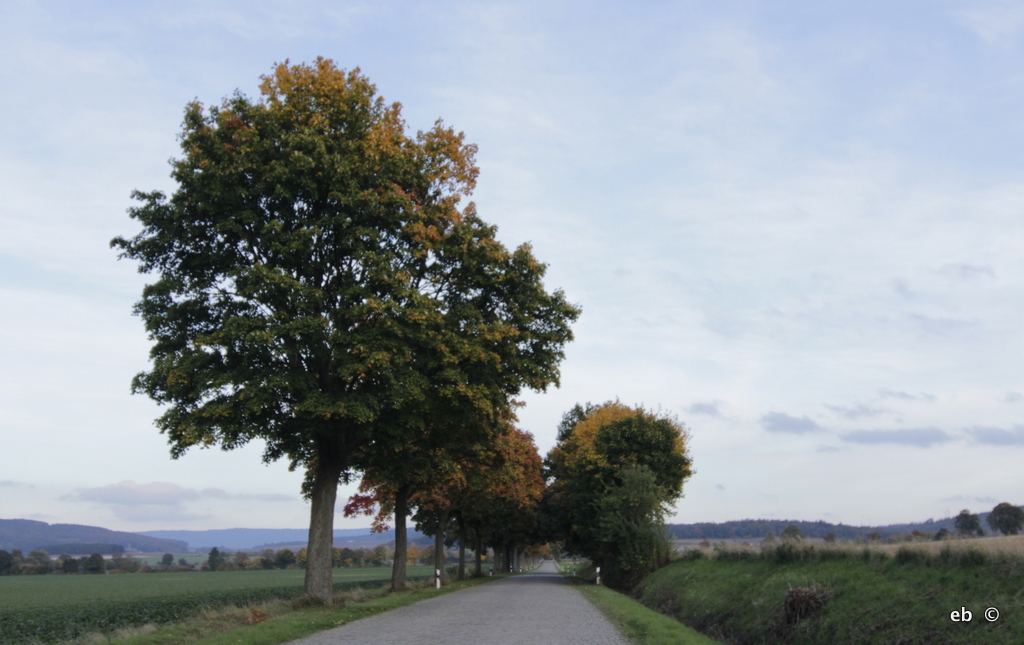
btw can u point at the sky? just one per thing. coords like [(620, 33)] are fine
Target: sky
[(797, 226)]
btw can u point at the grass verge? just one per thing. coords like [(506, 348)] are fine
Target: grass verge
[(282, 622), (809, 597), (639, 624)]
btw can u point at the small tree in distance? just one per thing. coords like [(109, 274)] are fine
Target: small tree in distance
[(67, 563), (215, 559), (968, 524), (792, 533), (94, 564), (284, 558), (1006, 518)]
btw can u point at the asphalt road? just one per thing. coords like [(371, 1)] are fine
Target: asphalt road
[(537, 608)]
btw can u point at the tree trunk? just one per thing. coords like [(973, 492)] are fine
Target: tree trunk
[(320, 547), (462, 550), (478, 557), (401, 510), (442, 520)]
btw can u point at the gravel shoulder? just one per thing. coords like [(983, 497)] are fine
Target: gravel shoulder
[(537, 608)]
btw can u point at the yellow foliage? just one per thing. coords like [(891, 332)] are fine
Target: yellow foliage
[(585, 432), (580, 443), (579, 449)]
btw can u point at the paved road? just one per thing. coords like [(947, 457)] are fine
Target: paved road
[(538, 608)]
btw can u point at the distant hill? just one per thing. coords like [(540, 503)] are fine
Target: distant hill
[(29, 535), (756, 529), (82, 548), (235, 539)]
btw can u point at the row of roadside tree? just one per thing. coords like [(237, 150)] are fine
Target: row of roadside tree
[(321, 287)]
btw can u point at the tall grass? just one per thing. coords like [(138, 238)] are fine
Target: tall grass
[(811, 593), (1006, 551)]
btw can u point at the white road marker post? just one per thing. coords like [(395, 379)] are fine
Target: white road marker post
[(437, 578), (599, 575)]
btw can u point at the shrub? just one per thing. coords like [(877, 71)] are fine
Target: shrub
[(962, 557), (94, 564), (909, 555), (785, 552), (802, 602)]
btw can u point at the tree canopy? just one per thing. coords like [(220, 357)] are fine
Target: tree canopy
[(487, 491), (612, 477), (967, 523), (321, 287), (1006, 518)]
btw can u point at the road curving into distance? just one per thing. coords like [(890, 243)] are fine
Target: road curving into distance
[(536, 608)]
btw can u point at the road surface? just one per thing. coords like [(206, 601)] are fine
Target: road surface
[(537, 608)]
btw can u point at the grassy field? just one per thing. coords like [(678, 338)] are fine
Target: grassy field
[(886, 594), (29, 592), (61, 608)]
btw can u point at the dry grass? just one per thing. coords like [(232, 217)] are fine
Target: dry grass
[(207, 623), (221, 620), (1006, 546), (1012, 545), (124, 632)]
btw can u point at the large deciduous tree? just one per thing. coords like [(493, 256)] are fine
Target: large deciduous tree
[(614, 473), (1006, 518), (321, 287), (968, 523)]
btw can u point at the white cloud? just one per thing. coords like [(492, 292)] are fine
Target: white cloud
[(905, 396), (998, 436), (997, 23), (707, 408), (920, 437), (128, 493), (968, 272), (969, 499), (781, 422), (857, 410)]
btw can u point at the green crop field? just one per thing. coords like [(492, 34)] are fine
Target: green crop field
[(29, 592), (58, 608)]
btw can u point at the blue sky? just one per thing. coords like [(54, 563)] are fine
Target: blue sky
[(798, 227)]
